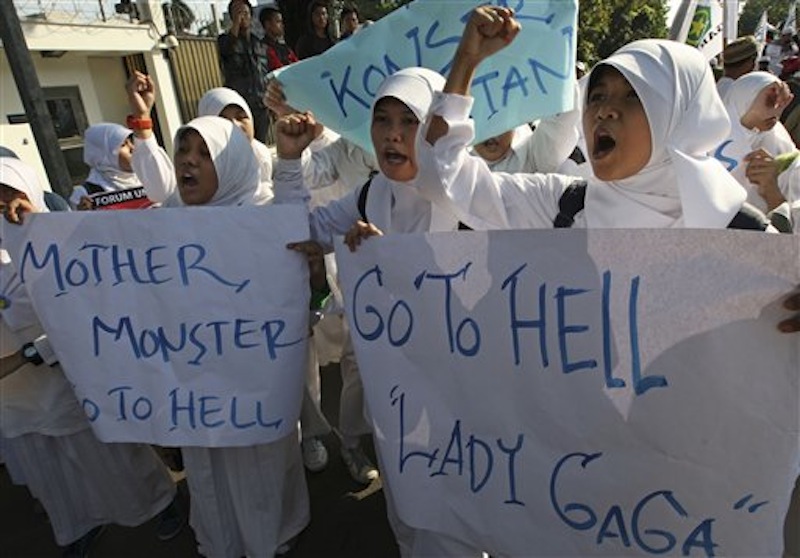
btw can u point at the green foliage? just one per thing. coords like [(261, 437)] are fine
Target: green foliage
[(606, 25), (777, 11)]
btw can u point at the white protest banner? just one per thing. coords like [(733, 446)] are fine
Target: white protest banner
[(577, 393), (177, 327), (533, 77)]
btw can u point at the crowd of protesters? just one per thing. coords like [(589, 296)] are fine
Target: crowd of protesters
[(736, 140)]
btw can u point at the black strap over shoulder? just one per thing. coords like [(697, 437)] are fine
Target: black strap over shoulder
[(574, 197), (570, 204), (577, 156), (749, 218), (362, 198), (362, 204)]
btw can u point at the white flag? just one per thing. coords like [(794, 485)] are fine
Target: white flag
[(682, 21), (705, 31), (760, 32), (790, 25)]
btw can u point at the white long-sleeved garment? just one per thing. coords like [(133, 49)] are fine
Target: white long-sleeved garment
[(155, 169), (81, 482), (543, 149), (245, 501), (738, 99), (680, 186)]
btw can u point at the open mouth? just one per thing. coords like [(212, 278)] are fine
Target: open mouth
[(394, 158), (187, 181), (604, 144)]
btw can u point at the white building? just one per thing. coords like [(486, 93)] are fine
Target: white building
[(81, 66)]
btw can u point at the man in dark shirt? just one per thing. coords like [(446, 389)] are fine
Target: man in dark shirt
[(316, 39), (238, 51), (278, 53)]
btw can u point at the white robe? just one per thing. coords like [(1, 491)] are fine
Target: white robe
[(245, 501), (47, 441)]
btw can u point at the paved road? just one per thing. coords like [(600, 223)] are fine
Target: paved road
[(347, 520)]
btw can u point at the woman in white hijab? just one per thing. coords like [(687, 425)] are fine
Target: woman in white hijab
[(233, 175), (227, 103), (390, 202), (152, 164), (108, 151), (651, 113), (755, 102), (245, 501), (47, 441)]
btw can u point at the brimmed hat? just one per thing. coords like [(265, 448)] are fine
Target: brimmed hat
[(740, 50)]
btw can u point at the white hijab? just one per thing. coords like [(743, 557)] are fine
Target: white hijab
[(21, 177), (234, 161), (16, 308), (738, 99), (396, 206), (102, 143), (681, 186), (212, 103)]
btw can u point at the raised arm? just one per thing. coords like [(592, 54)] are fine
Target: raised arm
[(463, 184), (488, 30), (151, 163)]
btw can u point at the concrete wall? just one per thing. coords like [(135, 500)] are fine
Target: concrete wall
[(92, 62)]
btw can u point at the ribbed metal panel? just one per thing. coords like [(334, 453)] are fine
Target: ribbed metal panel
[(195, 70)]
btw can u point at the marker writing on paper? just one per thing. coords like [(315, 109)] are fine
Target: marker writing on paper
[(95, 264), (628, 527)]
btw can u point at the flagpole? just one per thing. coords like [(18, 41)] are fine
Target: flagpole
[(724, 24)]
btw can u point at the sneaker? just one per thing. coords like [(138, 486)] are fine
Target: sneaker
[(358, 464), (81, 547), (315, 455), (170, 522), (287, 547)]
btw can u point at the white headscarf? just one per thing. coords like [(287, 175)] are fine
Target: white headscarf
[(234, 161), (681, 186), (102, 143), (738, 99), (16, 308), (212, 103), (391, 205), (22, 177), (215, 100)]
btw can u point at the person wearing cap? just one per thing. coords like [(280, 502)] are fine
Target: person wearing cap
[(738, 59)]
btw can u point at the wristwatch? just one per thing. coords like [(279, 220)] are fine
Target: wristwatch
[(30, 354)]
